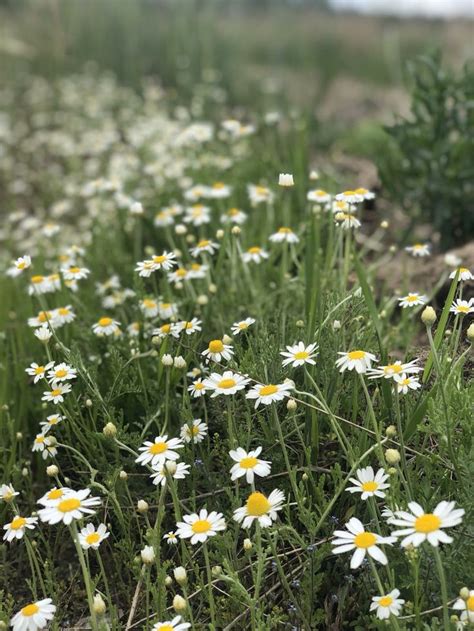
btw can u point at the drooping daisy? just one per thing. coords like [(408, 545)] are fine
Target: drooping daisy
[(159, 477), (267, 394), (299, 354), (7, 492), (467, 608), (199, 527), (260, 507), (419, 249), (43, 333), (38, 372), (284, 235), (462, 307), (390, 371), (51, 421), (61, 372), (169, 328), (92, 537), (385, 606), (197, 388), (318, 196), (420, 526), (75, 273), (171, 625), (217, 351), (56, 394), (205, 245), (255, 254), (170, 538), (342, 207), (464, 274), (243, 325), (155, 453), (34, 616), (44, 445), (406, 382), (106, 326), (412, 299), (228, 383), (17, 527), (196, 270), (368, 483), (363, 542), (248, 464), (194, 432), (43, 317), (73, 505), (360, 361)]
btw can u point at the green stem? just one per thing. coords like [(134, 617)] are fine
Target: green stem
[(212, 605), (85, 574), (444, 590)]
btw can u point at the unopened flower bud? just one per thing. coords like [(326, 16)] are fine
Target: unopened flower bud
[(305, 477), (212, 288), (202, 300), (391, 471), (88, 403), (216, 571), (24, 472), (147, 555), (168, 581), (171, 466), (336, 325), (291, 405), (123, 475), (220, 234), (99, 605), (19, 436), (52, 470), (247, 544), (391, 431), (180, 575), (299, 324), (167, 360), (286, 179), (226, 339), (384, 224), (392, 456), (428, 316), (470, 333), (179, 362), (236, 231), (179, 604), (142, 506), (180, 229), (109, 430)]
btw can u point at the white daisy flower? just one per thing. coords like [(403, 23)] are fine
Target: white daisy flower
[(347, 221), (19, 266), (234, 215), (462, 307), (218, 190), (34, 616), (170, 538), (169, 328), (368, 483), (259, 194), (464, 274), (74, 505), (171, 625), (467, 608), (63, 315), (43, 318), (362, 541), (155, 453), (227, 383), (197, 388), (56, 394), (7, 492), (145, 268), (385, 606), (248, 464), (197, 215), (217, 351), (195, 432), (351, 197), (17, 527), (106, 326), (299, 354), (37, 371), (366, 194), (420, 526), (341, 207), (92, 537), (254, 254), (205, 245), (199, 527), (179, 275), (164, 261), (419, 249), (178, 473), (189, 327), (75, 273), (43, 333), (286, 179), (318, 196), (196, 270), (243, 325), (267, 394), (167, 310), (61, 372), (390, 371), (51, 421), (412, 299), (54, 496), (260, 507), (284, 235), (40, 284), (149, 307), (406, 382), (360, 361), (133, 329)]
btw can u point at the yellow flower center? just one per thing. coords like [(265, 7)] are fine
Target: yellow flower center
[(243, 325), (470, 603), (60, 373), (43, 316), (166, 627), (53, 277), (66, 506), (74, 270), (195, 267), (261, 190), (361, 191), (189, 325), (462, 308), (158, 448), (232, 212), (365, 539), (63, 311), (427, 523), (18, 523), (257, 504), (254, 250), (285, 231), (462, 270), (37, 279), (21, 265), (94, 537), (216, 346), (194, 430), (412, 298), (39, 370), (301, 355), (30, 610), (267, 390), (405, 382), (56, 392), (203, 244), (225, 384), (181, 272), (201, 525), (105, 322), (165, 328), (356, 354), (149, 304), (349, 193), (159, 259), (218, 185), (199, 386), (248, 463), (391, 368), (370, 486), (386, 601), (39, 439), (165, 305), (55, 494)]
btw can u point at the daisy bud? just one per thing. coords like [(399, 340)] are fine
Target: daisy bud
[(448, 332), (178, 286), (52, 470), (123, 475), (392, 248), (109, 430), (314, 175), (304, 477), (3, 625), (236, 231), (384, 224), (179, 604), (142, 506), (212, 288), (19, 436), (52, 441), (300, 324), (428, 316), (99, 605), (180, 229), (226, 339), (171, 466), (180, 575), (155, 340), (336, 325), (291, 405), (454, 618), (24, 472), (190, 238), (247, 544), (88, 403), (470, 333), (168, 581), (43, 334), (392, 456), (147, 555), (391, 431), (220, 234), (216, 571), (464, 593), (286, 179), (180, 362), (167, 360), (391, 471)]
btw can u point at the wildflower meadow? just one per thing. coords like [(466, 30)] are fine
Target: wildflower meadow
[(232, 398)]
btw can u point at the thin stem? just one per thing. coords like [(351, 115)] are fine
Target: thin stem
[(85, 574), (444, 590)]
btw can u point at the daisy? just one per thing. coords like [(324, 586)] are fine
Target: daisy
[(299, 354), (420, 526), (163, 218), (467, 607), (205, 245), (248, 464), (39, 285), (342, 207), (160, 450), (259, 194), (347, 221), (170, 538), (464, 274), (43, 333), (366, 194), (189, 327), (33, 616), (390, 371), (75, 273), (106, 326), (363, 542), (197, 388), (360, 361), (51, 421), (43, 317), (218, 190), (318, 196), (165, 329), (406, 382), (196, 432), (267, 394), (90, 537), (133, 329), (243, 325), (412, 300), (218, 351), (352, 197), (286, 179), (200, 527), (179, 275), (19, 266), (387, 605), (419, 249), (462, 307), (61, 372), (7, 492), (74, 505), (40, 444), (234, 215), (197, 215), (260, 507), (149, 308), (284, 235), (159, 477), (368, 483), (52, 497), (17, 527), (171, 625), (63, 315), (56, 395), (38, 372), (254, 254), (145, 268), (196, 270), (167, 310), (227, 383)]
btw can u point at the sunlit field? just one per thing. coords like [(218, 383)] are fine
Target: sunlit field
[(236, 337)]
